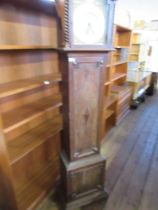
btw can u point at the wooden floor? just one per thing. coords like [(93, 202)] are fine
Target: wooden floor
[(132, 162)]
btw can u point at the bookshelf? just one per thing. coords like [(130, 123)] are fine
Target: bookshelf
[(30, 104), (138, 76), (117, 93), (138, 52), (119, 68)]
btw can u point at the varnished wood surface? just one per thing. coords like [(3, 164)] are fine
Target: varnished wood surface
[(30, 29), (27, 142), (16, 66), (131, 150), (25, 47), (30, 102), (124, 96), (6, 188), (82, 83), (117, 76), (23, 114), (20, 86), (47, 7), (121, 90), (122, 37), (109, 100), (108, 113), (42, 173)]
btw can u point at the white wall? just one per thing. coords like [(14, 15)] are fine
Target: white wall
[(127, 11), (140, 9)]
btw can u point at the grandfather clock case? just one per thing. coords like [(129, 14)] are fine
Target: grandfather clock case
[(83, 68)]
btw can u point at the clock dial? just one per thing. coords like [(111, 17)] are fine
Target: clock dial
[(89, 23)]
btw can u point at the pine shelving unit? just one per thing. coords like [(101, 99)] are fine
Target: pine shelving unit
[(26, 47), (117, 92), (138, 76), (30, 104), (119, 65)]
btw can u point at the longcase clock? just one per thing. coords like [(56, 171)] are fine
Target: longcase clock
[(87, 31)]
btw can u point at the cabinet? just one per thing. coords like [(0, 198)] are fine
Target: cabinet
[(116, 90), (30, 105)]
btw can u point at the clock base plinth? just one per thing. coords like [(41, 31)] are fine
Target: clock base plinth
[(87, 199), (82, 181)]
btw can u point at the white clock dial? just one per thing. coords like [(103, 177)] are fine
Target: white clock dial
[(89, 24)]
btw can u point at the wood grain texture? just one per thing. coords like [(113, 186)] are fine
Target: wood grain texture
[(23, 114), (27, 65), (20, 86), (128, 172), (85, 99), (29, 28), (82, 84), (6, 189), (26, 143), (83, 96), (41, 174), (35, 6), (122, 36), (116, 75), (30, 103)]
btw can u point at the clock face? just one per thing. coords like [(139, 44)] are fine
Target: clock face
[(89, 22)]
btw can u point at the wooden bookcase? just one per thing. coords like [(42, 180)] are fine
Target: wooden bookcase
[(137, 52), (30, 104), (116, 90), (138, 76)]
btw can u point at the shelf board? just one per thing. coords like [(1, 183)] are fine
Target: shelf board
[(108, 65), (26, 47), (133, 53), (146, 87), (108, 113), (123, 46), (20, 86), (118, 63), (107, 83), (109, 100), (117, 76), (21, 115), (120, 90), (122, 28), (137, 43), (24, 144)]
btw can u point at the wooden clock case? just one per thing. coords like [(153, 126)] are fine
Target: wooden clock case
[(82, 67)]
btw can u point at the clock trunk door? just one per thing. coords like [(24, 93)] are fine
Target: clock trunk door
[(85, 82)]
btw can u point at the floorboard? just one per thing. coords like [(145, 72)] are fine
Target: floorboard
[(149, 199)]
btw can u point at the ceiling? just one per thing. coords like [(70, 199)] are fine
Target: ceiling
[(140, 9)]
